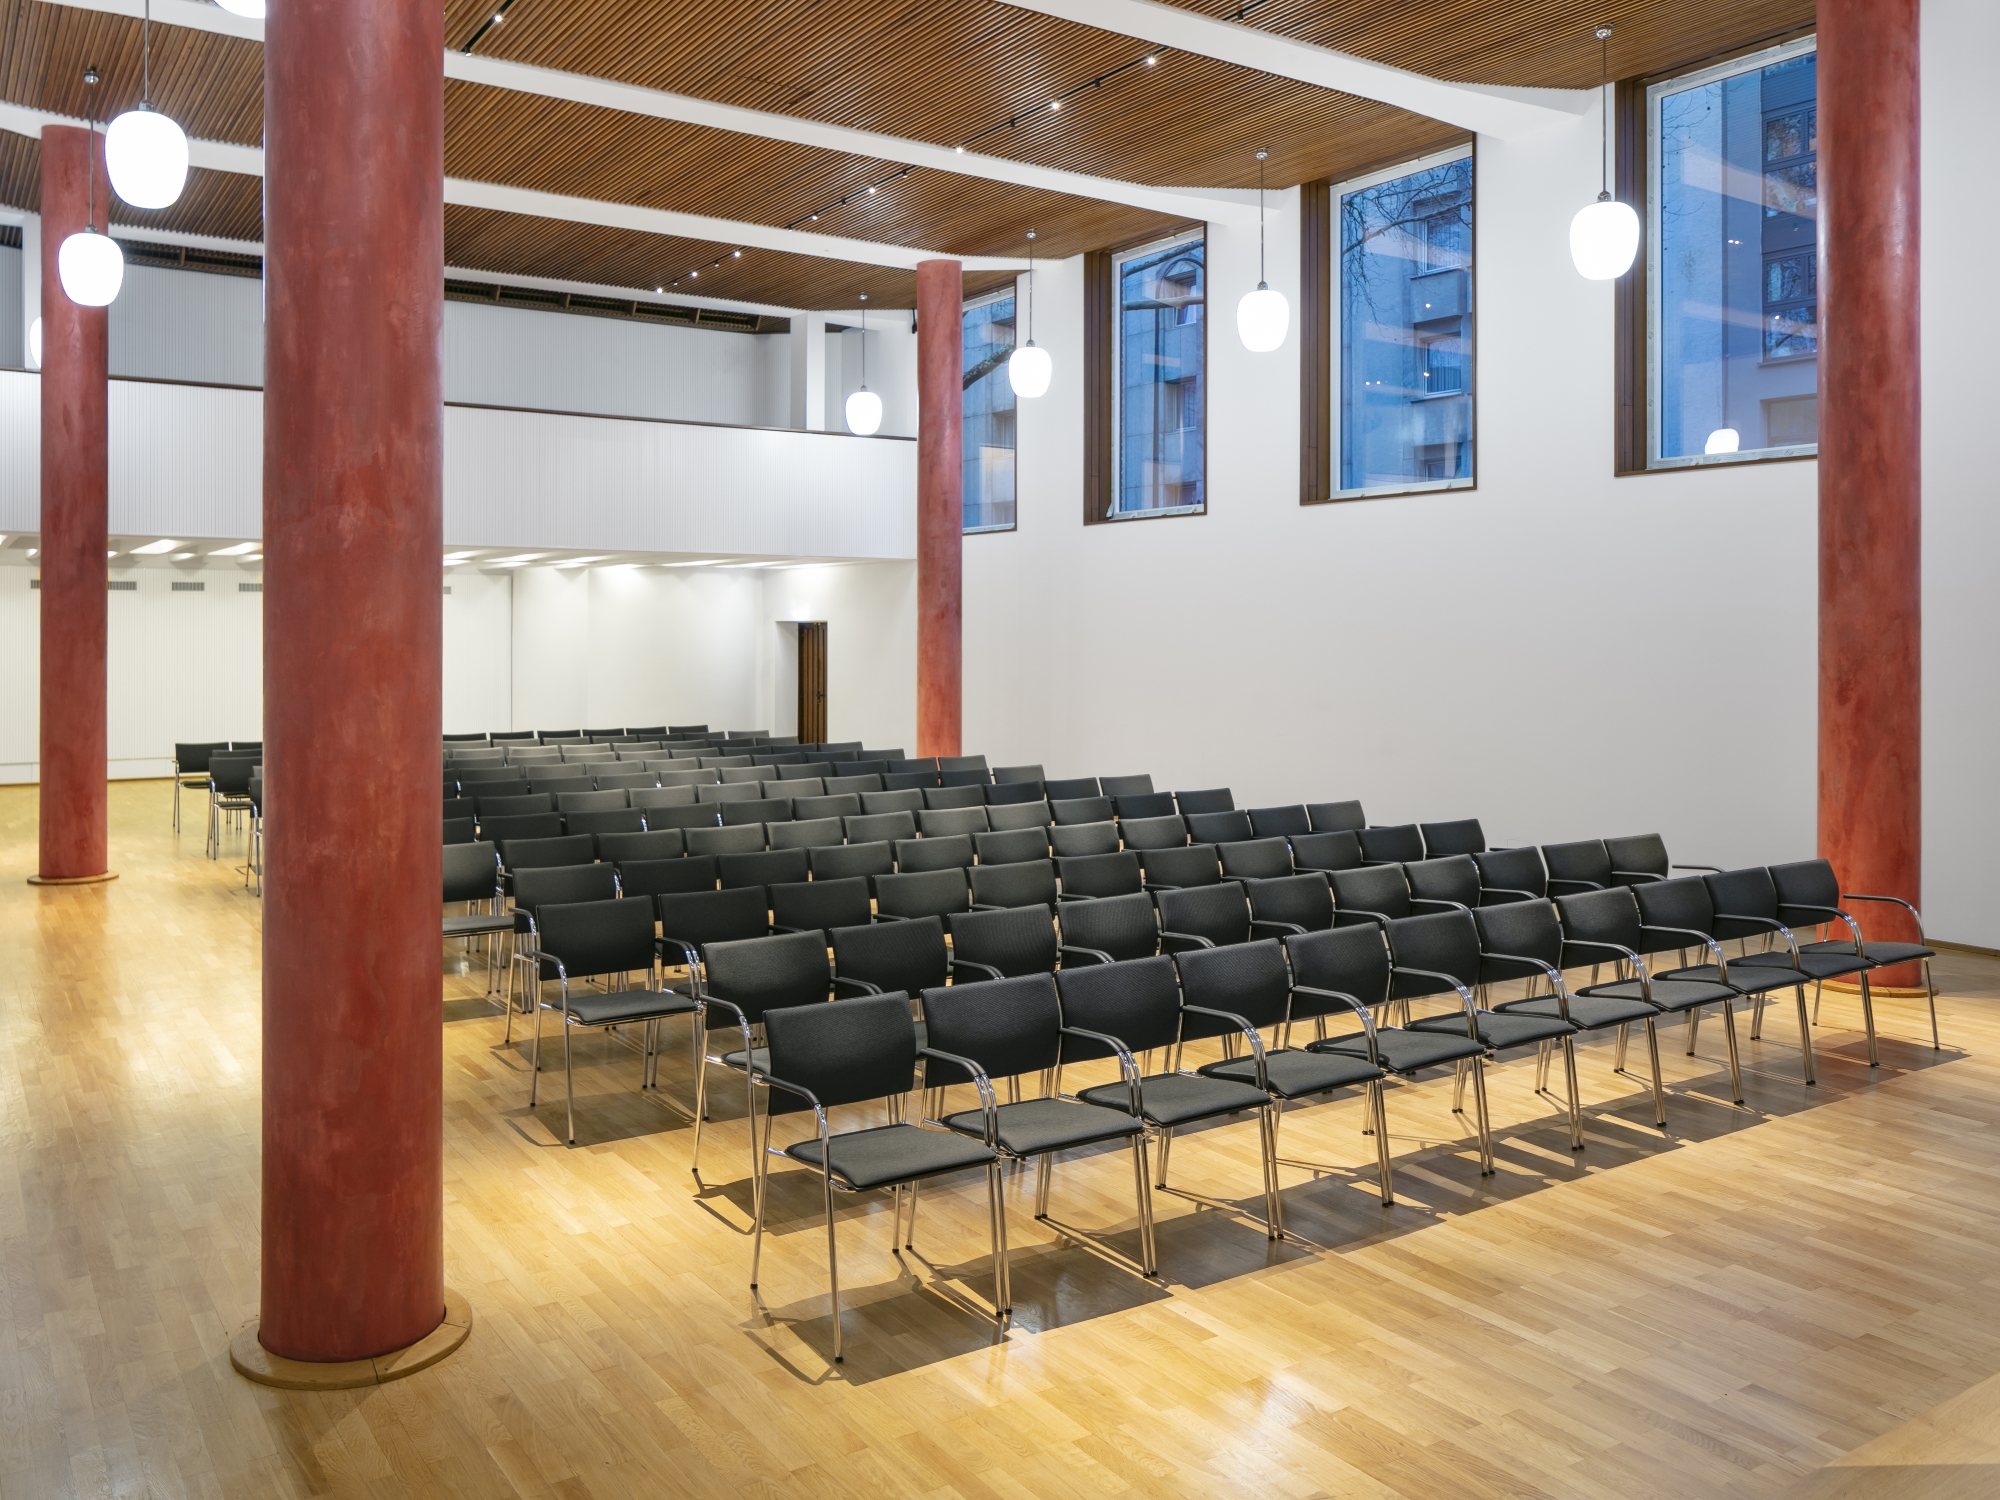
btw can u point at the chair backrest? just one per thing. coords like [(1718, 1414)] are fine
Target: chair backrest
[(1681, 904), (1364, 895), (895, 955), (761, 974), (1196, 864), (762, 810), (587, 754), (471, 872), (699, 918), (736, 775), (557, 779), (1351, 961), (1071, 787), (1609, 916), (852, 786), (551, 884), (597, 937), (460, 807), (690, 816), (798, 786), (839, 861), (954, 796), (1279, 822), (941, 822), (899, 766), (1395, 843), (1137, 1001), (512, 736), (667, 877), (1081, 809), (1304, 900), (558, 736), (1125, 786), (460, 830), (762, 867), (885, 827), (1007, 1026), (961, 762), (543, 852), (1023, 883), (1229, 826), (1084, 838), (513, 804), (820, 905), (967, 778), (1004, 816), (805, 835), (474, 775), (1522, 929), (1504, 870), (465, 739), (1462, 836), (1146, 805), (1246, 979), (1256, 859), (611, 820), (1584, 862), (869, 764), (534, 755), (1100, 875), (906, 801), (1019, 940), (743, 838), (1165, 832), (1004, 774), (623, 780), (1121, 927), (1333, 850), (821, 809), (906, 781), (946, 852), (1208, 800), (230, 774), (676, 774), (729, 791), (1008, 793), (1806, 889), (529, 826), (192, 759), (812, 770), (1444, 942), (659, 843), (1637, 858), (646, 798), (1448, 878), (1743, 893), (845, 1053), (1012, 846), (1220, 913), (604, 734), (923, 893), (1336, 817)]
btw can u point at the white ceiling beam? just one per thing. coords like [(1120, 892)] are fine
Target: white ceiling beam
[(1486, 109), (1224, 205)]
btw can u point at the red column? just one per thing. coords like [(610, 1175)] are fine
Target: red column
[(353, 1262), (75, 466), (940, 504), (1870, 455)]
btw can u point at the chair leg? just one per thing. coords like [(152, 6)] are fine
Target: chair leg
[(1868, 1020), (1930, 989), (700, 1098), (1381, 1117), (535, 1073), (1143, 1193), (1274, 1203), (910, 1234), (1003, 1281), (1693, 1028), (1805, 1036), (1816, 990), (569, 1079), (1458, 1088), (1618, 1063), (1042, 1164), (1735, 1065), (1485, 1123), (832, 1262), (757, 1195), (1166, 1150), (1575, 1107), (1757, 1016), (1659, 1089)]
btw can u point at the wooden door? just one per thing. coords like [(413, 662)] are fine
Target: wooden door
[(812, 682)]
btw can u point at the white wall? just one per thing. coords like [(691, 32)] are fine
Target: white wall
[(870, 611), (12, 349), (188, 325)]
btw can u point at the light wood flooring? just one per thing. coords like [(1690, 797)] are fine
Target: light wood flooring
[(1723, 1309)]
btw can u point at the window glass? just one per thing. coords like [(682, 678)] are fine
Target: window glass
[(1403, 399), (1733, 209), (1160, 345), (988, 324)]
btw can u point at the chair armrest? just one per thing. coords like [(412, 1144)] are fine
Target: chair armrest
[(1243, 1024), (1256, 922), (1192, 939), (1097, 955), (1700, 937), (1507, 891), (860, 986), (955, 964), (1361, 916), (1834, 912), (1464, 994), (989, 906), (1717, 869), (1550, 971), (1128, 1066), (987, 1104), (1353, 1004), (1915, 915), (888, 916), (1573, 887), (1439, 904), (692, 959), (1638, 964), (1768, 924), (1628, 876)]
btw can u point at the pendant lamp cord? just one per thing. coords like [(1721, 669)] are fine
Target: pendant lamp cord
[(146, 57), (90, 157), (1604, 145), (1031, 288), (864, 341), (1261, 282)]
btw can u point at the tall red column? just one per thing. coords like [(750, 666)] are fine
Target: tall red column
[(75, 477), (1870, 455), (940, 505), (353, 1262)]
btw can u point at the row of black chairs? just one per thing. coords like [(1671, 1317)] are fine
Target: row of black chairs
[(193, 765)]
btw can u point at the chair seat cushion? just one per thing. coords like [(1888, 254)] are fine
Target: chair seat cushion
[(1407, 1051), (1815, 964), (892, 1153), (1500, 1029), (1754, 979), (478, 922), (1037, 1125), (1294, 1074), (760, 1058), (1587, 1012), (1879, 954), (1670, 995), (592, 1009), (1169, 1099)]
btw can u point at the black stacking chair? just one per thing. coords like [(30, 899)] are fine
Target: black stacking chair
[(908, 800), (691, 920), (1004, 817), (904, 781), (1081, 809), (1291, 903), (953, 799), (191, 769), (1175, 869), (1394, 844), (1746, 906), (833, 808), (625, 781), (942, 853), (1005, 775), (838, 862), (910, 957), (504, 830), (1071, 789), (1326, 851), (472, 876), (1092, 877), (667, 877), (598, 824), (927, 893), (883, 827), (1225, 826), (1145, 805), (742, 838), (1573, 868), (1374, 893), (1463, 836), (460, 830), (1124, 1009), (820, 905), (1015, 1027), (1125, 786), (759, 810), (592, 939), (816, 833), (1251, 984), (1256, 859), (1809, 894), (1450, 880), (1279, 822), (1166, 832), (825, 1056), (1013, 793), (764, 868), (1211, 800), (1208, 916), (1002, 942), (664, 843), (1027, 883), (1013, 847), (912, 766), (1511, 875), (1109, 930), (1336, 817), (1076, 839), (511, 804), (228, 793), (943, 822), (476, 776), (517, 855)]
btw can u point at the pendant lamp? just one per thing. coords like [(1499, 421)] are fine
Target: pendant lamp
[(1263, 316), (35, 343), (145, 152), (250, 10), (1030, 369), (864, 407), (1604, 236), (89, 264)]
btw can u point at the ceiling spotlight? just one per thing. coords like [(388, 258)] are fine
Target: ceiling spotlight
[(959, 149), (1055, 104), (694, 276), (871, 187), (659, 289), (1152, 59), (498, 19), (815, 218), (736, 255)]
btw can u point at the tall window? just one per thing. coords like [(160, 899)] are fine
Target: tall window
[(1733, 209), (1159, 349), (1402, 403), (988, 324)]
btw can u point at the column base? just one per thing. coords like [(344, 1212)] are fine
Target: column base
[(254, 1362), (72, 879)]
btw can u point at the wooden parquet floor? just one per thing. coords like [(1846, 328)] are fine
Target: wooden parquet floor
[(1723, 1309)]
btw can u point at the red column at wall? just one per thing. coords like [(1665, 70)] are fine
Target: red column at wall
[(1870, 456), (75, 464), (353, 1261), (940, 505)]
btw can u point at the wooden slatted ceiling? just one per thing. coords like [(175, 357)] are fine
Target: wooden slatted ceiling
[(939, 72)]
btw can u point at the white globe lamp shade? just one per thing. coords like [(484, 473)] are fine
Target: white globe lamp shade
[(1724, 440), (91, 268), (146, 155), (253, 9), (864, 413), (1604, 239), (1029, 370), (1262, 318), (35, 343)]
